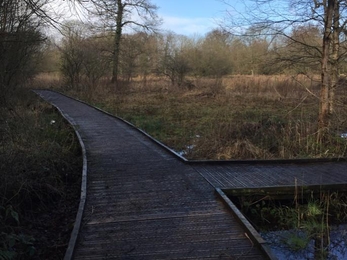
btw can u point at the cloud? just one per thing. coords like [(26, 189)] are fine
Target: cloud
[(188, 26)]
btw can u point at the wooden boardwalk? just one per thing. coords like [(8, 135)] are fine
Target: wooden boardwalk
[(144, 203), (229, 175)]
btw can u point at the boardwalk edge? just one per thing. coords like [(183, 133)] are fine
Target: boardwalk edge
[(252, 234), (185, 160), (74, 234)]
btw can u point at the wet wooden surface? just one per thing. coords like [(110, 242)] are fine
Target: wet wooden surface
[(253, 175), (144, 203)]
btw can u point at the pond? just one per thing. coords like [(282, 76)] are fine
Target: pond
[(286, 244), (309, 223)]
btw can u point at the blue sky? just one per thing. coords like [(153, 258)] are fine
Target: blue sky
[(189, 17)]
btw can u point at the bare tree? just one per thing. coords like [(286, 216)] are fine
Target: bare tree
[(72, 55), (20, 41), (96, 61), (174, 63), (84, 57), (131, 50), (330, 16), (300, 54), (117, 14), (148, 60), (214, 55)]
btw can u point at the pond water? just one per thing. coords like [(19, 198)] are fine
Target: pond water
[(188, 149), (296, 229), (281, 244)]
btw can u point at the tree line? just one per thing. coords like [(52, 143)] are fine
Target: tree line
[(174, 56), (310, 39)]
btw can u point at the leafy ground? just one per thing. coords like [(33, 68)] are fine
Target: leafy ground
[(40, 169)]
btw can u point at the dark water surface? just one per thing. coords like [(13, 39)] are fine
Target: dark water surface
[(280, 244)]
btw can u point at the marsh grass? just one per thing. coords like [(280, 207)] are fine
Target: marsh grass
[(236, 117), (39, 182), (306, 220)]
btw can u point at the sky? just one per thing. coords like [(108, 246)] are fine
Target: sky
[(189, 17), (186, 17)]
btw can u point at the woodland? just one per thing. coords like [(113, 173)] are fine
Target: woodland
[(269, 84)]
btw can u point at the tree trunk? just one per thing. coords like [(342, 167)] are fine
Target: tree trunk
[(117, 39), (323, 118), (334, 56)]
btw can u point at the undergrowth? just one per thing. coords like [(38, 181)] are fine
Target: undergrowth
[(261, 117), (40, 172)]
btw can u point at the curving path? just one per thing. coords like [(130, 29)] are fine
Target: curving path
[(144, 203)]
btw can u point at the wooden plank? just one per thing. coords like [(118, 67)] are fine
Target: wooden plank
[(143, 203)]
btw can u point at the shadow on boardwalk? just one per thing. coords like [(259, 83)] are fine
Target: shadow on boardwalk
[(144, 203)]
